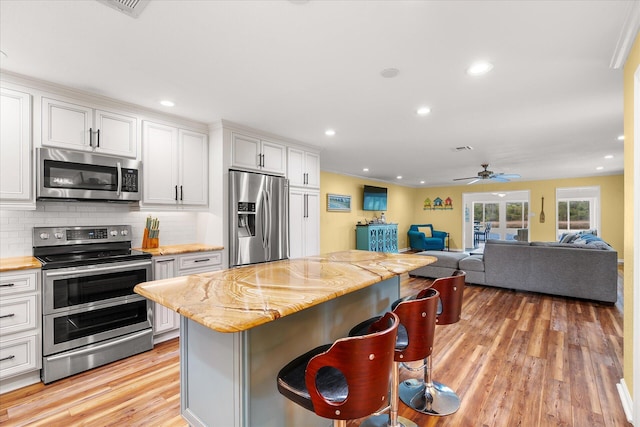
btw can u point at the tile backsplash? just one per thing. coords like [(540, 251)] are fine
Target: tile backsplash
[(16, 235)]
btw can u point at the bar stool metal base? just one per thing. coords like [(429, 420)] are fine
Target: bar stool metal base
[(383, 421), (438, 399)]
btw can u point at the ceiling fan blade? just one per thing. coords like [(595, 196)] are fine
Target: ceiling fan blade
[(474, 181), (499, 178), (508, 175), (460, 179)]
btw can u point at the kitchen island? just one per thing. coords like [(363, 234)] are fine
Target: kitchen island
[(240, 326)]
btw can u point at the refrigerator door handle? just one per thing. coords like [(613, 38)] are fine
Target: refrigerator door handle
[(269, 207), (263, 219)]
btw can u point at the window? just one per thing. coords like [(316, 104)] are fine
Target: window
[(517, 214), (577, 209), (487, 212)]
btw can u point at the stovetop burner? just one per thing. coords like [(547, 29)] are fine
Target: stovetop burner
[(58, 247)]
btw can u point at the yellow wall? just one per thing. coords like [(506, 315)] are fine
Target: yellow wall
[(632, 64), (338, 229), (406, 207)]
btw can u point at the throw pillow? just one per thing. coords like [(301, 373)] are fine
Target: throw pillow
[(568, 238), (426, 231)]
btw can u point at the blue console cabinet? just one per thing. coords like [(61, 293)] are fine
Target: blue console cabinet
[(377, 237)]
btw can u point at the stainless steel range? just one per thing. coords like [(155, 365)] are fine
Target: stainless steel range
[(91, 316)]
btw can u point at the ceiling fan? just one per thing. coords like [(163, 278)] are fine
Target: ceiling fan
[(490, 175)]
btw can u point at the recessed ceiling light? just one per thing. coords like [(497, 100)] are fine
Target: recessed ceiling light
[(399, 177), (609, 156), (421, 182), (365, 169), (479, 68), (423, 111), (389, 73), (621, 138), (167, 103), (599, 168), (329, 132)]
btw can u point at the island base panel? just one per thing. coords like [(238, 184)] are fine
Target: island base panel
[(229, 380)]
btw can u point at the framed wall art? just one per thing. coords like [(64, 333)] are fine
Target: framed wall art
[(338, 203)]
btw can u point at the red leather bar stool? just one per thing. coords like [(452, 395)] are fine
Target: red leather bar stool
[(346, 380), (425, 395), (414, 342)]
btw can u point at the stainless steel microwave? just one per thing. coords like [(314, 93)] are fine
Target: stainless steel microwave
[(73, 175)]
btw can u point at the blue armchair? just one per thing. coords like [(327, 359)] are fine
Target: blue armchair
[(418, 239)]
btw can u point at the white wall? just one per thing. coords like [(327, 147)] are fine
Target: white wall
[(16, 226)]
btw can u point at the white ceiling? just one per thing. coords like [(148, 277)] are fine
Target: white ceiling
[(551, 108)]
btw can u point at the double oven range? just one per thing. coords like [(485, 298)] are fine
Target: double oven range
[(91, 316)]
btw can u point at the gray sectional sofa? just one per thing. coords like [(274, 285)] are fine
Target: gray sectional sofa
[(570, 270)]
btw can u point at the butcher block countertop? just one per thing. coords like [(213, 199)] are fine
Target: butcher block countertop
[(19, 263), (181, 249), (241, 298)]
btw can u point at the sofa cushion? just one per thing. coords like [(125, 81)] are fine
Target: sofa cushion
[(426, 231), (445, 259), (472, 263)]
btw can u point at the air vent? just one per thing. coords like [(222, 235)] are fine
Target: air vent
[(463, 148), (132, 8)]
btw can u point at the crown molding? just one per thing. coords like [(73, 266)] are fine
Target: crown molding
[(627, 35)]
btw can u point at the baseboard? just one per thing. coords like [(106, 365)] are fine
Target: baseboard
[(625, 399)]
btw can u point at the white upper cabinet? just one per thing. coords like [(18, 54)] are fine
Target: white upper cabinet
[(303, 168), (193, 160), (15, 147), (175, 166), (78, 127), (260, 155)]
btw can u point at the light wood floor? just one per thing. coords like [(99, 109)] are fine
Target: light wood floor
[(515, 359)]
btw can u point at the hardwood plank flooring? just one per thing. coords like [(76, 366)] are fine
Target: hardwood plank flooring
[(515, 359)]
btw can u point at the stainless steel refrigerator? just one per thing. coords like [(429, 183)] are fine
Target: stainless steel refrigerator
[(258, 218)]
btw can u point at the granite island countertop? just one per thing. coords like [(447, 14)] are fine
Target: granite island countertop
[(241, 298)]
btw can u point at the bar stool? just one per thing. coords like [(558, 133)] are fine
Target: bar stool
[(414, 342), (425, 395), (346, 380)]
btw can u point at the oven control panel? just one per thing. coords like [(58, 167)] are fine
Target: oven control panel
[(59, 236)]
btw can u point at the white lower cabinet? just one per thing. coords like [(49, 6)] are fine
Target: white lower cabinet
[(166, 322), (20, 329)]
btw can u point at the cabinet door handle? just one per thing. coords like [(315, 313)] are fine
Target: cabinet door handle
[(176, 193), (181, 193), (306, 206), (202, 260), (262, 162), (7, 285), (164, 260), (11, 356), (90, 137), (98, 144), (4, 316)]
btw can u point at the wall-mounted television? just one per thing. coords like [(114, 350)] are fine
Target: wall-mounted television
[(374, 198)]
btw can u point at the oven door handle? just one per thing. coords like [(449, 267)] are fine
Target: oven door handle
[(118, 267), (94, 347)]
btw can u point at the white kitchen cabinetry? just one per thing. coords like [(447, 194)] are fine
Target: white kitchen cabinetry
[(166, 322), (175, 166), (257, 154), (164, 319), (304, 222), (15, 149), (20, 329), (79, 127), (303, 168)]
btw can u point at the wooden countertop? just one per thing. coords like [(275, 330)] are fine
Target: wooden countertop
[(244, 297), (181, 249), (19, 263)]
